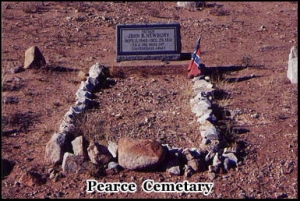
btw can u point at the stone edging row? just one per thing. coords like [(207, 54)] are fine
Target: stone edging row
[(61, 148), (58, 144)]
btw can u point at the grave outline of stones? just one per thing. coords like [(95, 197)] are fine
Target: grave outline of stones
[(200, 105)]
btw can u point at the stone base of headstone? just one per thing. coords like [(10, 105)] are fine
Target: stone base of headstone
[(171, 57)]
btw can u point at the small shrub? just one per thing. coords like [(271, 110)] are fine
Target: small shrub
[(22, 120), (154, 13), (219, 11), (247, 61), (31, 7)]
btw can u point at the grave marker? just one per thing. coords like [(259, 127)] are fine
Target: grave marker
[(148, 42)]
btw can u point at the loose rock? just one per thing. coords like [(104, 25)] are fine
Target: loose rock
[(140, 154), (211, 133), (95, 70), (230, 161), (292, 72), (112, 148), (79, 147), (188, 171), (31, 178), (17, 69), (194, 164), (98, 154), (34, 58), (66, 127), (71, 163), (55, 148), (175, 170), (83, 94), (113, 168), (10, 100)]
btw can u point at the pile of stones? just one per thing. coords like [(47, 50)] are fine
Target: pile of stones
[(76, 154)]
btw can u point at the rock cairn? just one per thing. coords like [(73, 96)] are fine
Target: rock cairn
[(74, 152)]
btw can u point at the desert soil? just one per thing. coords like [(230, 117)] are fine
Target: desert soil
[(246, 46)]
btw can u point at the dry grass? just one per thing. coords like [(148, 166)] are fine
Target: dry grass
[(93, 129), (219, 11), (222, 99), (223, 89), (3, 77), (23, 121)]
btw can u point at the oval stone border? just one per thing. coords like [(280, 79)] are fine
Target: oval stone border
[(207, 156)]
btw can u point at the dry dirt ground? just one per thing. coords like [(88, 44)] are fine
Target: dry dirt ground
[(256, 105)]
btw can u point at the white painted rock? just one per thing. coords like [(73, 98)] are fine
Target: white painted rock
[(205, 90), (205, 125), (202, 97), (90, 84), (112, 148), (83, 86), (210, 156), (66, 127), (231, 157), (212, 133), (139, 154), (202, 84), (83, 101), (83, 94), (76, 110), (208, 115), (175, 170), (79, 107), (69, 117), (95, 70), (201, 109), (205, 141), (112, 165), (34, 58), (200, 100), (292, 72), (230, 161), (216, 164)]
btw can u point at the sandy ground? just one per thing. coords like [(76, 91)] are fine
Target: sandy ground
[(256, 106)]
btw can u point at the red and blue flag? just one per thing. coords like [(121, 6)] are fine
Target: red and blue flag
[(194, 66)]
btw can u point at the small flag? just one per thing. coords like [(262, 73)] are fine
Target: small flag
[(194, 69)]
